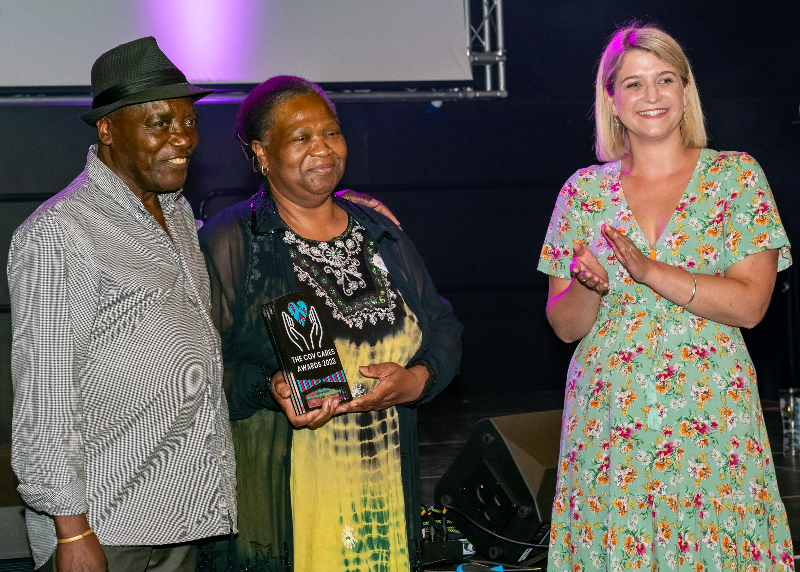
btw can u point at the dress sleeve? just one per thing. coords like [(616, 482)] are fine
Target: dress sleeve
[(47, 451), (752, 222), (565, 228), (225, 244)]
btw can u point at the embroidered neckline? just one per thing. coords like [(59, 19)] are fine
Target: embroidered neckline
[(347, 272)]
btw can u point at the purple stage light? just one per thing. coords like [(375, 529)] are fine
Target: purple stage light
[(207, 39)]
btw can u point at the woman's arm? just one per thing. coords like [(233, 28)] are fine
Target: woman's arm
[(739, 298), (572, 304)]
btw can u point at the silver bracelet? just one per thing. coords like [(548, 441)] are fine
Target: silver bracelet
[(694, 290)]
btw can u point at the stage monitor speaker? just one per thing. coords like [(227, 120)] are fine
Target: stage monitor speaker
[(505, 480)]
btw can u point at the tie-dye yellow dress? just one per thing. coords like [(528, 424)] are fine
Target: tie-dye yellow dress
[(348, 510), (665, 462)]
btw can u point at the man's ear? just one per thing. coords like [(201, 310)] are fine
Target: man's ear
[(104, 131)]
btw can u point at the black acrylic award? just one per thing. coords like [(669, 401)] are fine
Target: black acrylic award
[(306, 351)]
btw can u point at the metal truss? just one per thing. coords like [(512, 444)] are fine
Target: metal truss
[(487, 54), (485, 46)]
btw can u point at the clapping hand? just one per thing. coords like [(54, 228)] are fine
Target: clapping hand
[(628, 254), (587, 270)]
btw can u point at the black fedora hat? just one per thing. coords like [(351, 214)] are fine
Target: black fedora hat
[(136, 72)]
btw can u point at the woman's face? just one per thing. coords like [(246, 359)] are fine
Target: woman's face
[(305, 150), (649, 97)]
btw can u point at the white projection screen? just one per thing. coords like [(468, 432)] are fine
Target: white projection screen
[(55, 42)]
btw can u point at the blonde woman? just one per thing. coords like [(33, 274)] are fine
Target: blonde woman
[(656, 259)]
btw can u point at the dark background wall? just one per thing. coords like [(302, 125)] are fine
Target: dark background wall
[(474, 185)]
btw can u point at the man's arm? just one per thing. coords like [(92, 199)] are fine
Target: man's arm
[(81, 552), (47, 443)]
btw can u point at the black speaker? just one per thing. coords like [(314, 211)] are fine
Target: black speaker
[(505, 480)]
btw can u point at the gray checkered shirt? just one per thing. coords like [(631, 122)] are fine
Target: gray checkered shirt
[(118, 403)]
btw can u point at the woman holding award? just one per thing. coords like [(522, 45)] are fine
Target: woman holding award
[(335, 488), (665, 461)]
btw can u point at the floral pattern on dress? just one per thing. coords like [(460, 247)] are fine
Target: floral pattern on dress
[(665, 462)]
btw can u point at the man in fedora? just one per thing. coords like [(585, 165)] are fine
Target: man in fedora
[(121, 440)]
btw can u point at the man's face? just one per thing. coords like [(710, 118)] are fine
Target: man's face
[(150, 144)]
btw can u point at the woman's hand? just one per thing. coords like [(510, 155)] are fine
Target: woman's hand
[(572, 305), (368, 201), (635, 262), (397, 385), (738, 298), (587, 270), (313, 419)]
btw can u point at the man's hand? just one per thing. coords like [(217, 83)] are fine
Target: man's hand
[(84, 555), (397, 385), (368, 201), (314, 419)]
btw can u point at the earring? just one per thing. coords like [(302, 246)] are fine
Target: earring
[(262, 171), (684, 114), (617, 123)]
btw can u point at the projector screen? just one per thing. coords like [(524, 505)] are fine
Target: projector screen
[(55, 43)]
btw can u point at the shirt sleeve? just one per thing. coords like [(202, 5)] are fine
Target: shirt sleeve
[(752, 223), (47, 443), (565, 228)]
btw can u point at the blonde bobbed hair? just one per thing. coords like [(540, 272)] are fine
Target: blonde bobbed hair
[(611, 139)]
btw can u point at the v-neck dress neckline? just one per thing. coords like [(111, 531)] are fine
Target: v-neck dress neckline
[(645, 242)]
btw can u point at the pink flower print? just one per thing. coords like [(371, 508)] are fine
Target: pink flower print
[(666, 449), (762, 208), (700, 426), (755, 552), (641, 547)]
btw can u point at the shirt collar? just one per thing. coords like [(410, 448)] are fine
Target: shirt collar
[(107, 181), (266, 220)]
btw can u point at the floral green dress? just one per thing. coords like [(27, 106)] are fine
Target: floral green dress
[(665, 462)]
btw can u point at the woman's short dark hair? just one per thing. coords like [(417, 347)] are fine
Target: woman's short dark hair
[(257, 112)]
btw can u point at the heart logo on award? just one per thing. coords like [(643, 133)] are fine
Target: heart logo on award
[(299, 311)]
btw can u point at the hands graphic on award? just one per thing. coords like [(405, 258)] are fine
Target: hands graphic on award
[(299, 311)]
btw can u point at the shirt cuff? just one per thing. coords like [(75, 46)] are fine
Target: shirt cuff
[(429, 383), (64, 501)]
